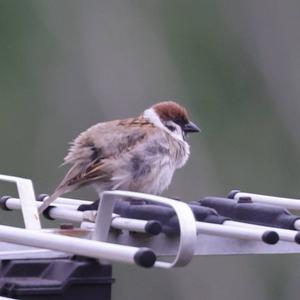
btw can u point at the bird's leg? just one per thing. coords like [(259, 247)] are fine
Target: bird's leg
[(93, 206)]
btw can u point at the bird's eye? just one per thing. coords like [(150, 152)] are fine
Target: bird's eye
[(171, 128)]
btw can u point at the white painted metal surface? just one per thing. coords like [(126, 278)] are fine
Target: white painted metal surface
[(297, 224), (288, 203), (254, 234), (15, 251), (70, 201), (284, 234), (27, 196), (90, 248)]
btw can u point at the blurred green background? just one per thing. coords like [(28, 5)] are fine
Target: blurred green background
[(65, 65)]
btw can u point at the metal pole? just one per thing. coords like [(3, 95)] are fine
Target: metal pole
[(288, 203), (96, 249), (284, 234), (256, 234)]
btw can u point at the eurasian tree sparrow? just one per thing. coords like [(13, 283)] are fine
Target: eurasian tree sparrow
[(136, 154)]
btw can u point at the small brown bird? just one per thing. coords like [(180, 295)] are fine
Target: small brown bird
[(136, 154)]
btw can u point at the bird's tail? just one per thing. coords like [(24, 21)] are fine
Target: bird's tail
[(50, 199)]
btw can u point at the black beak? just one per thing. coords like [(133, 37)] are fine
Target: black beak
[(191, 127)]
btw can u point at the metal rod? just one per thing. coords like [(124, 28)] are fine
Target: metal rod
[(90, 248), (237, 232), (71, 201), (15, 204), (288, 203), (297, 225), (284, 234)]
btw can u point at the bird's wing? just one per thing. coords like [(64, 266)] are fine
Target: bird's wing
[(92, 150), (108, 139)]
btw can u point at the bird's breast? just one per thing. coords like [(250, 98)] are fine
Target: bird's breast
[(150, 168)]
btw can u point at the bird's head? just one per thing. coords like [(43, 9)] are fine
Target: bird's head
[(171, 117)]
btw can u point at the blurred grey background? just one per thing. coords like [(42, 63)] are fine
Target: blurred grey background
[(65, 65)]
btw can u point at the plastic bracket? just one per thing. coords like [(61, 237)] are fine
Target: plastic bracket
[(187, 223)]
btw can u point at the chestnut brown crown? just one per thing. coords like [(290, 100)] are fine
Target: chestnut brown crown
[(172, 111)]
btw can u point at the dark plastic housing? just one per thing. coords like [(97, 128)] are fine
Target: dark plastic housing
[(3, 200), (244, 210), (56, 279), (166, 215)]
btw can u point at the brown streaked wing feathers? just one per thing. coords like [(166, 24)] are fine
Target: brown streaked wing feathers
[(111, 139)]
